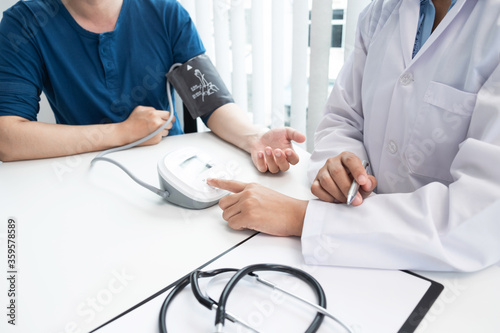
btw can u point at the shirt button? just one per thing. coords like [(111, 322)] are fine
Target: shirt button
[(392, 147), (406, 79)]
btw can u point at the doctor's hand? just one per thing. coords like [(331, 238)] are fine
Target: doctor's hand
[(143, 121), (334, 179), (273, 149), (255, 207)]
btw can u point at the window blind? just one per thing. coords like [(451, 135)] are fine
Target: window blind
[(274, 56)]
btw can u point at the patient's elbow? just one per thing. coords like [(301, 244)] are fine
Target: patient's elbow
[(8, 150), (7, 153)]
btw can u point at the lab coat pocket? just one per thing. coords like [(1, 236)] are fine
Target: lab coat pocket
[(440, 126)]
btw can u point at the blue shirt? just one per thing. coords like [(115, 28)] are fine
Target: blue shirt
[(91, 78), (425, 23)]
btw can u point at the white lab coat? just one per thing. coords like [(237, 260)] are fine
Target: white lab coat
[(430, 127)]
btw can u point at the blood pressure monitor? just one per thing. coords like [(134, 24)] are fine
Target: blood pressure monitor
[(183, 173)]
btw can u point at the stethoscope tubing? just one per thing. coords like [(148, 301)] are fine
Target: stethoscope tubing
[(307, 278), (220, 306)]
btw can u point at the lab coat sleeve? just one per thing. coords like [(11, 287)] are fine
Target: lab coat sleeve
[(342, 122), (437, 227)]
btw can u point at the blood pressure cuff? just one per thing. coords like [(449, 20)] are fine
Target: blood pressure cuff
[(199, 85)]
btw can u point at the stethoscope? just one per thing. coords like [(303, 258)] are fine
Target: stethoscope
[(247, 272)]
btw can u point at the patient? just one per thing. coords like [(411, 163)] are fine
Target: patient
[(102, 66)]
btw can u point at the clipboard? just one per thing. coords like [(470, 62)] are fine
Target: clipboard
[(367, 300)]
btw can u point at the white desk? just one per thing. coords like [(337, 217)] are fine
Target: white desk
[(92, 243), (365, 299)]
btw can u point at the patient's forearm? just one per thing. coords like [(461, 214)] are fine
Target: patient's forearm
[(21, 139)]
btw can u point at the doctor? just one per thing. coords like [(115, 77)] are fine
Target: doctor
[(420, 100)]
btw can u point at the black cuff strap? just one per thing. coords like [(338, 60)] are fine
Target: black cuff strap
[(200, 86)]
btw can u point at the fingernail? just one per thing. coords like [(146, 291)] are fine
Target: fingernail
[(288, 153), (278, 154), (268, 152), (362, 179)]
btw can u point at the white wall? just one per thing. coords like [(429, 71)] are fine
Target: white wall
[(45, 114)]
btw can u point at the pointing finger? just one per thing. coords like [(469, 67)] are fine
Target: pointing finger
[(228, 185)]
